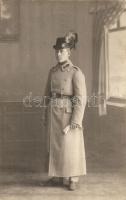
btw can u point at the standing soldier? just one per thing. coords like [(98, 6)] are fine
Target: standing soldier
[(66, 91)]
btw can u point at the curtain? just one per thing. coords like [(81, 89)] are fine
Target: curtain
[(105, 14)]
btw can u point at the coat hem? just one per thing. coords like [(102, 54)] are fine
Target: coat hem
[(66, 175)]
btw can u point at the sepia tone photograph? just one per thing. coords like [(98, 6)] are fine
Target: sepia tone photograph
[(62, 99)]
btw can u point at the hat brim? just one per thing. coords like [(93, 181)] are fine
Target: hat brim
[(60, 47), (56, 47)]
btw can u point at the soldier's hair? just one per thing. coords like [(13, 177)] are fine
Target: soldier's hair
[(71, 39)]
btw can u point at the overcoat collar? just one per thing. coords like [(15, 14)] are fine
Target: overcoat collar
[(65, 66)]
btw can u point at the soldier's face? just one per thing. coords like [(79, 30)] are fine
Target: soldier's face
[(62, 54)]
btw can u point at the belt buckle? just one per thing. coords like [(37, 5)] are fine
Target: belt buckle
[(53, 94), (61, 103)]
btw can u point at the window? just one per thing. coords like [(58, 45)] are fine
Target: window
[(117, 60), (9, 20)]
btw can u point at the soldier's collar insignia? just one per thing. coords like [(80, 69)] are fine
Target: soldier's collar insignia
[(66, 66)]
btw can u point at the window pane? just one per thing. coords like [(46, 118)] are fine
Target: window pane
[(123, 20), (117, 64)]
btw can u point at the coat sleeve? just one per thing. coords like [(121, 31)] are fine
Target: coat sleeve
[(47, 91), (80, 98), (47, 95)]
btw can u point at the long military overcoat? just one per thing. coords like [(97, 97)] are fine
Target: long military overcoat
[(66, 151)]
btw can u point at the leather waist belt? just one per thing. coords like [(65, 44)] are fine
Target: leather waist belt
[(56, 95)]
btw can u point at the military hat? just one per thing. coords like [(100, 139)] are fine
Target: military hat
[(61, 43), (69, 41)]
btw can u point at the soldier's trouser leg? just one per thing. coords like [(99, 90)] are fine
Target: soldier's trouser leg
[(74, 179), (66, 181), (71, 179)]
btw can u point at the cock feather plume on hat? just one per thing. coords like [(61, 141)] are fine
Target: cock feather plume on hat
[(71, 39)]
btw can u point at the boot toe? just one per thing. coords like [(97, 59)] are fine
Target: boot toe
[(73, 186)]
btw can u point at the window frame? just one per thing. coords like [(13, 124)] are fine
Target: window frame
[(116, 101)]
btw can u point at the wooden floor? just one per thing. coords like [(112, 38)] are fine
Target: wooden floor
[(94, 186)]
